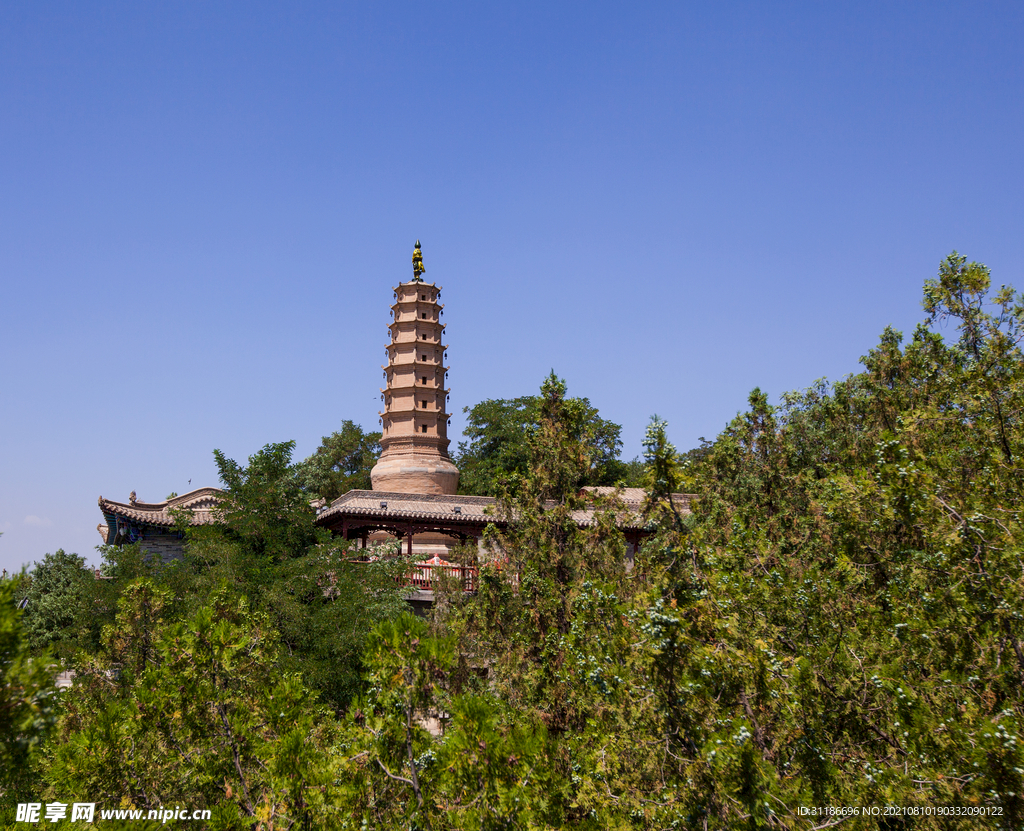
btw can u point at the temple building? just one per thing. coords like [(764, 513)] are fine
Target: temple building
[(155, 524), (414, 496), (415, 481)]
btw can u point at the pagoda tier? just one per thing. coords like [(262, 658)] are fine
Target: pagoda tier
[(414, 457)]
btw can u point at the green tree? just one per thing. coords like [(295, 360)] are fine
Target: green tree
[(55, 608), (403, 771), (341, 463), (844, 634), (501, 434), (555, 623), (663, 472), (268, 549), (196, 712), (27, 704), (265, 511), (498, 443), (836, 623)]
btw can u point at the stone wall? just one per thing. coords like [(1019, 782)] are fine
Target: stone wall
[(166, 545)]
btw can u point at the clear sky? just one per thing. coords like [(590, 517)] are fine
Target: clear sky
[(204, 206)]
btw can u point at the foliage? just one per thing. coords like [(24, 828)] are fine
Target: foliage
[(195, 712), (498, 445), (848, 629), (403, 771), (664, 474), (837, 622), (265, 512), (502, 433), (26, 703), (324, 606), (341, 463), (54, 597), (268, 549), (552, 625)]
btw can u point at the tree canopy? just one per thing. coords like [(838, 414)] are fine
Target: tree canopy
[(195, 711), (501, 432), (27, 702), (341, 463), (53, 596), (838, 622)]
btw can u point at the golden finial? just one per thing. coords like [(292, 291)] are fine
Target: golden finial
[(417, 264)]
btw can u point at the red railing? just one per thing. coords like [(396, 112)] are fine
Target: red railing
[(426, 575)]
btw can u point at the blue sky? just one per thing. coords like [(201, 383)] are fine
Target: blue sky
[(203, 209)]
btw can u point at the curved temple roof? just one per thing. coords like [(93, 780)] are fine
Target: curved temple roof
[(202, 502), (457, 511)]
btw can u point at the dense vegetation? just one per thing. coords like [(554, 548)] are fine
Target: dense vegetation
[(341, 463), (500, 445), (838, 622)]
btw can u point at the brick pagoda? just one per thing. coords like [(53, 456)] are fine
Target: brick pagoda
[(414, 457)]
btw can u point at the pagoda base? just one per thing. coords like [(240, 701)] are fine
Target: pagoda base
[(415, 472)]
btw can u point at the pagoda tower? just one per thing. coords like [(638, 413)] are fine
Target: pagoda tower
[(414, 442)]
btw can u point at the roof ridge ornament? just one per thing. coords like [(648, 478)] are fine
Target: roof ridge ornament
[(417, 264)]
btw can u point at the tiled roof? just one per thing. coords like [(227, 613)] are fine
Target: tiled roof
[(201, 502), (633, 496), (471, 509), (447, 508), (625, 494), (474, 510), (630, 512)]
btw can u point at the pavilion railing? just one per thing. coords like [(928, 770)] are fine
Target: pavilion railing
[(427, 576)]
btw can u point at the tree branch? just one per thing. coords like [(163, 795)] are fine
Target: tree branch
[(238, 765), (390, 775)]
